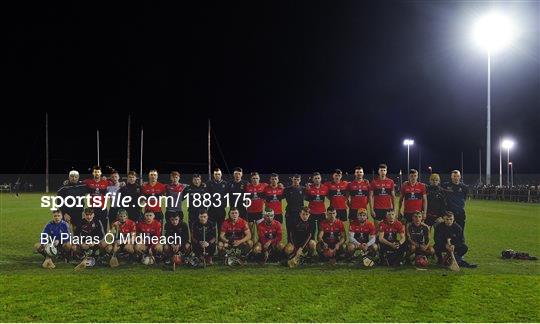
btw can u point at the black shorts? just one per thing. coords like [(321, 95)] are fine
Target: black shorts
[(353, 214), (253, 217), (380, 214), (341, 214), (279, 218)]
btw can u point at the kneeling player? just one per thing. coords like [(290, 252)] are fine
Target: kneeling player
[(90, 235), (392, 249), (301, 241), (235, 233), (449, 238), (270, 235), (362, 235), (177, 234), (331, 237), (56, 233), (146, 230), (203, 237), (418, 237), (124, 230)]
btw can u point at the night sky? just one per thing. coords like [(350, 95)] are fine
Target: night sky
[(289, 86)]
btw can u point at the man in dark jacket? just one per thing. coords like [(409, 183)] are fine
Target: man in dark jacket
[(449, 238)]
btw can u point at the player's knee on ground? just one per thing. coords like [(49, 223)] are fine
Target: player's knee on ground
[(140, 248), (412, 248), (430, 250), (289, 248), (312, 245), (280, 246), (67, 247), (158, 248), (129, 248), (351, 247), (257, 248), (187, 248), (374, 247), (109, 248)]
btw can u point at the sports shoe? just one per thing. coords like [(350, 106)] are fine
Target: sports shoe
[(465, 264)]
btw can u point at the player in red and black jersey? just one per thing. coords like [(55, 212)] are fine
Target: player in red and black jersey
[(315, 194), (392, 239), (270, 235), (153, 190), (175, 194), (418, 237), (358, 191), (147, 228), (331, 237), (362, 235), (381, 195), (413, 196), (97, 188), (256, 194), (273, 195), (301, 236), (128, 229), (235, 232), (337, 194)]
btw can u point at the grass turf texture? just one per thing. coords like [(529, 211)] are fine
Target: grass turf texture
[(498, 291)]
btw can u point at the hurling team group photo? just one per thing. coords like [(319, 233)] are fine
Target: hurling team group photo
[(241, 221)]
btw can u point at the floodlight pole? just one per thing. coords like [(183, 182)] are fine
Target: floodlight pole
[(408, 168), (46, 152), (500, 162), (508, 167), (488, 133)]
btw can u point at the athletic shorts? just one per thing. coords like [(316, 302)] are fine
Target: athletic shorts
[(253, 217), (341, 214), (353, 214), (380, 214)]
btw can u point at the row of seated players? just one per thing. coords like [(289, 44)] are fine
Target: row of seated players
[(390, 241)]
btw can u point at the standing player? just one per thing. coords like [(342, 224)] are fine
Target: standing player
[(362, 235), (203, 237), (418, 237), (413, 193), (315, 195), (97, 187), (392, 239), (274, 194), (302, 238), (270, 235), (255, 189), (153, 190), (381, 195), (456, 194), (133, 191), (358, 191), (174, 192), (176, 231), (236, 192), (217, 187), (436, 207), (337, 194), (294, 196), (148, 228), (331, 237), (74, 189), (195, 192), (113, 187), (235, 233), (123, 227)]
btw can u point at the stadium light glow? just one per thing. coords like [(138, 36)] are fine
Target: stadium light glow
[(493, 32), (507, 144), (408, 142)]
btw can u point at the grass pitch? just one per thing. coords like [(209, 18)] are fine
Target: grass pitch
[(498, 291)]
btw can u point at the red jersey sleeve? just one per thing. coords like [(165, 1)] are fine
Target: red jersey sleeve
[(372, 230)]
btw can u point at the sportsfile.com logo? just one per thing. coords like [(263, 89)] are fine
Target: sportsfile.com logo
[(118, 200)]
